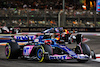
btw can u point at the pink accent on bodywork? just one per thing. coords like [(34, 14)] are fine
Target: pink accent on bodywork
[(14, 37), (6, 50), (69, 58), (34, 36), (29, 51), (80, 47), (31, 47), (56, 55)]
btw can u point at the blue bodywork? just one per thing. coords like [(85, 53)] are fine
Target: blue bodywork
[(63, 47)]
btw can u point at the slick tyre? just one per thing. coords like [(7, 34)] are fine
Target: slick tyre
[(86, 49), (40, 53), (93, 54), (48, 49), (12, 50)]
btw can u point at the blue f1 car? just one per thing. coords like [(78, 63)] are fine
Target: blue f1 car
[(44, 48)]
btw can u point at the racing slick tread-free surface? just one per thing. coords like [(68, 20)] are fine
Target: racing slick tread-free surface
[(86, 49), (48, 49), (14, 50)]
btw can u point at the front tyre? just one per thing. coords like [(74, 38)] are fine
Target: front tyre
[(40, 53)]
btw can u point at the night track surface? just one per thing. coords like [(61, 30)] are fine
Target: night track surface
[(94, 44)]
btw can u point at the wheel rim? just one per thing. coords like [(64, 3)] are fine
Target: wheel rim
[(7, 51), (40, 53)]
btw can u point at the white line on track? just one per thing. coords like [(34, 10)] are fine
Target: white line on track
[(97, 58)]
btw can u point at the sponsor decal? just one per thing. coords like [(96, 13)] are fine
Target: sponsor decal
[(61, 57), (36, 40), (27, 50), (25, 37)]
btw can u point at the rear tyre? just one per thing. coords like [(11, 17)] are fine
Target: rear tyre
[(86, 49), (78, 51), (48, 49), (93, 54), (12, 50), (83, 50)]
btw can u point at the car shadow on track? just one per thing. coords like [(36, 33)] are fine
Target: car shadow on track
[(35, 61)]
